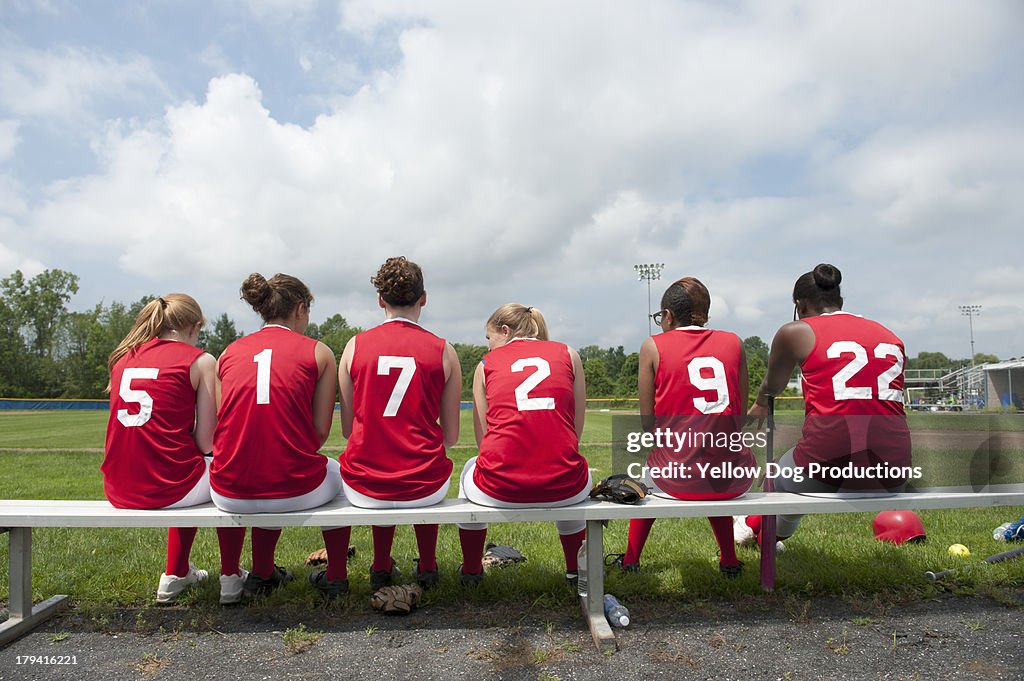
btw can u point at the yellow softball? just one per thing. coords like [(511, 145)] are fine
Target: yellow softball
[(959, 550)]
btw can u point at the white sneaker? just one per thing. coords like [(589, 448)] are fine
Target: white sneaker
[(741, 532), (232, 586), (171, 586)]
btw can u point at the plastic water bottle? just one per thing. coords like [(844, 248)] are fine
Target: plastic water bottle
[(581, 569), (616, 612), (999, 534)]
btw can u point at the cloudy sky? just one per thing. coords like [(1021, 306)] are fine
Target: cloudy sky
[(525, 151)]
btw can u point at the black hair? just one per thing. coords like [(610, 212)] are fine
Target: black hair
[(820, 287), (688, 300)]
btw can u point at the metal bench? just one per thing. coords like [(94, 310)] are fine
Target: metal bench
[(21, 516)]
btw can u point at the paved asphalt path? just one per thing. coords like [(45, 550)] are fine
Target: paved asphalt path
[(950, 637)]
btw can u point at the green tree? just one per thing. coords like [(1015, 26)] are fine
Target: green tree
[(755, 347), (931, 360), (625, 383), (469, 358), (983, 358), (334, 332), (596, 372), (222, 335), (31, 314)]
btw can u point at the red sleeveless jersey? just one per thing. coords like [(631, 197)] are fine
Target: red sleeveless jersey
[(853, 393), (530, 452), (697, 395), (265, 445), (396, 449), (151, 459)]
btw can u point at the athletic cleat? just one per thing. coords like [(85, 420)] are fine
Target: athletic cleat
[(382, 578), (741, 532), (171, 586), (328, 588), (232, 587), (731, 571), (256, 585), (572, 580), (470, 581), (428, 579), (616, 560)]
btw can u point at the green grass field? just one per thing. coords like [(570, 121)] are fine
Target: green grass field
[(50, 455)]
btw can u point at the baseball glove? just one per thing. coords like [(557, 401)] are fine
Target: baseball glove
[(498, 556), (397, 599), (319, 557), (621, 489)]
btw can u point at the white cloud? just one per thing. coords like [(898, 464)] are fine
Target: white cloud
[(67, 83), (535, 153), (9, 139)]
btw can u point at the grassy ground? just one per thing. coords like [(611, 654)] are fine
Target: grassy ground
[(831, 555)]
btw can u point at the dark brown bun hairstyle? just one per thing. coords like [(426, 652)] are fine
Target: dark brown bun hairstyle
[(277, 297), (820, 287)]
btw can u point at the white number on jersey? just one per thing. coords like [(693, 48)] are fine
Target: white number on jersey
[(407, 366), (139, 397), (523, 400), (715, 382), (841, 391), (262, 360)]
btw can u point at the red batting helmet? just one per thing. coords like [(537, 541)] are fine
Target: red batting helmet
[(898, 527)]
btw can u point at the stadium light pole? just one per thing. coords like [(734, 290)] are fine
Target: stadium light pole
[(971, 311), (649, 272)]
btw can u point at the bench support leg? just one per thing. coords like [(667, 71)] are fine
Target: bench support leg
[(768, 536), (593, 602), (23, 616)]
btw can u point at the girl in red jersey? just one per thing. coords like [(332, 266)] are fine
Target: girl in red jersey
[(276, 390), (852, 374), (400, 388), (162, 416), (529, 400), (693, 380)]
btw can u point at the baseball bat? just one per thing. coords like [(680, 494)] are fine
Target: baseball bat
[(994, 558)]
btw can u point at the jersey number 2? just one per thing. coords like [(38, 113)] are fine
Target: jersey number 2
[(523, 400)]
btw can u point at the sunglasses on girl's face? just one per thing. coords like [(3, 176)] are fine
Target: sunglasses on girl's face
[(657, 317)]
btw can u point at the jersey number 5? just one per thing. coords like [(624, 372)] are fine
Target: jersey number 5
[(132, 396), (842, 391)]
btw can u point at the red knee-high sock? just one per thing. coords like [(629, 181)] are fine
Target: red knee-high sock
[(472, 550), (426, 541), (179, 546), (383, 538), (754, 523), (264, 542), (336, 541), (722, 527), (571, 544), (639, 529), (230, 540)]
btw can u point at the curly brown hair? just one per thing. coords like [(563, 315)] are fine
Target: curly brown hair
[(399, 282)]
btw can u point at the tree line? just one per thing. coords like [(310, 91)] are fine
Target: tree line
[(47, 351)]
